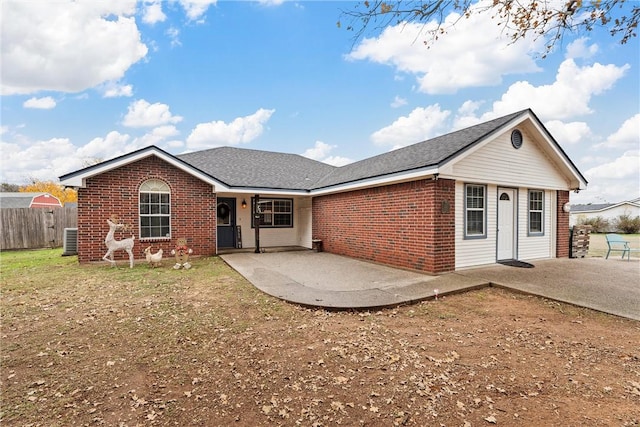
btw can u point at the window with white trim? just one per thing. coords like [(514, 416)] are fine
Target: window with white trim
[(155, 209), (475, 212), (274, 213), (536, 212)]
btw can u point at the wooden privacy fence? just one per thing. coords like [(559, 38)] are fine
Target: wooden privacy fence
[(30, 228)]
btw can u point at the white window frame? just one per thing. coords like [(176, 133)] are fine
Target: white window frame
[(468, 209), (538, 209), (152, 187), (269, 209)]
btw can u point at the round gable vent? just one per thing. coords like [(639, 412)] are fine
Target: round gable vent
[(516, 139)]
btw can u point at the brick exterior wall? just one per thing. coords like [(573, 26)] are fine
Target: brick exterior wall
[(563, 231), (193, 213), (409, 225)]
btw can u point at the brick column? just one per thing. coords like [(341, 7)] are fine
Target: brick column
[(562, 229)]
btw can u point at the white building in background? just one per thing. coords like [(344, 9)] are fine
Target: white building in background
[(607, 211)]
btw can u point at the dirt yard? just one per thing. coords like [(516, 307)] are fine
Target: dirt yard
[(95, 345)]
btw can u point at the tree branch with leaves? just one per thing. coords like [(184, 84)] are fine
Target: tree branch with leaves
[(549, 19)]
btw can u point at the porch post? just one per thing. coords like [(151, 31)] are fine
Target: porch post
[(256, 221)]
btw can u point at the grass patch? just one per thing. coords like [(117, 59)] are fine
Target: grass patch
[(97, 345)]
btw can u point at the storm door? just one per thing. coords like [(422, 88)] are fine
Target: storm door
[(506, 224), (226, 214)]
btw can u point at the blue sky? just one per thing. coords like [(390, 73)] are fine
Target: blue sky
[(87, 81)]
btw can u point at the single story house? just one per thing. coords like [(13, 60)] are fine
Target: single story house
[(606, 211), (495, 191), (29, 200)]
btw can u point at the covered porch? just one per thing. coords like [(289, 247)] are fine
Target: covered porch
[(267, 222)]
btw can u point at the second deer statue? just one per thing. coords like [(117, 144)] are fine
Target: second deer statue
[(115, 245)]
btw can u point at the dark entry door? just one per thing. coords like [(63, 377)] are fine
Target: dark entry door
[(226, 213)]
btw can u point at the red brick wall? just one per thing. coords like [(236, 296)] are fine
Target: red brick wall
[(401, 225), (563, 232), (193, 213)]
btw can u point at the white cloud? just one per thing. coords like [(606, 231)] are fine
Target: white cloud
[(42, 160), (628, 136), (155, 137), (398, 102), (152, 12), (144, 114), (23, 159), (79, 44), (337, 160), (615, 181), (469, 107), (46, 103), (473, 53), (240, 130), (615, 175), (568, 133), (320, 152), (571, 92), (112, 145), (174, 36), (626, 166), (196, 8), (114, 90), (419, 125), (466, 115), (579, 49)]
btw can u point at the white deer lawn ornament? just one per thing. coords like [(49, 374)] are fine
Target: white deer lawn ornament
[(115, 245)]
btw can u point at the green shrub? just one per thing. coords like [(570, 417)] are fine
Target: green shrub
[(598, 224), (627, 225)]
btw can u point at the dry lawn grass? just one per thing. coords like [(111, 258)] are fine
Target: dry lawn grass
[(598, 245), (94, 345)]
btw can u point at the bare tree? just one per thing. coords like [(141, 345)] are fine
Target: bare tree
[(5, 187), (550, 19)]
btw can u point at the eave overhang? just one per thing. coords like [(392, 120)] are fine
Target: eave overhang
[(78, 178)]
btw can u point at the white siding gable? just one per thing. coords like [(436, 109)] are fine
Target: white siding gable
[(497, 162)]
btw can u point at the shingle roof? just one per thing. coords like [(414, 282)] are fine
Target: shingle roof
[(432, 152), (590, 207), (595, 207), (254, 169), (239, 167), (17, 200)]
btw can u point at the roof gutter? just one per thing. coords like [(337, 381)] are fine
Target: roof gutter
[(379, 180)]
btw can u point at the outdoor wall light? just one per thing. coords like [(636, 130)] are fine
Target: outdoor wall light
[(244, 204)]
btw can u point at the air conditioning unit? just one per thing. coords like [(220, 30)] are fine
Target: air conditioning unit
[(70, 241)]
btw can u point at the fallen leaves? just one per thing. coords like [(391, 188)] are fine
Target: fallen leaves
[(203, 351)]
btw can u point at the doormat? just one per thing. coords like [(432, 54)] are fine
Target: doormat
[(516, 263)]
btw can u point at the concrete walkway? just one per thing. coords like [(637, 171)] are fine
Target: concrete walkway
[(333, 281)]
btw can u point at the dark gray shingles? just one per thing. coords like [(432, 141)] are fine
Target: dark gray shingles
[(432, 152), (239, 167), (17, 200)]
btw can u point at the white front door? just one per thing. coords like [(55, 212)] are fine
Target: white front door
[(506, 224)]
